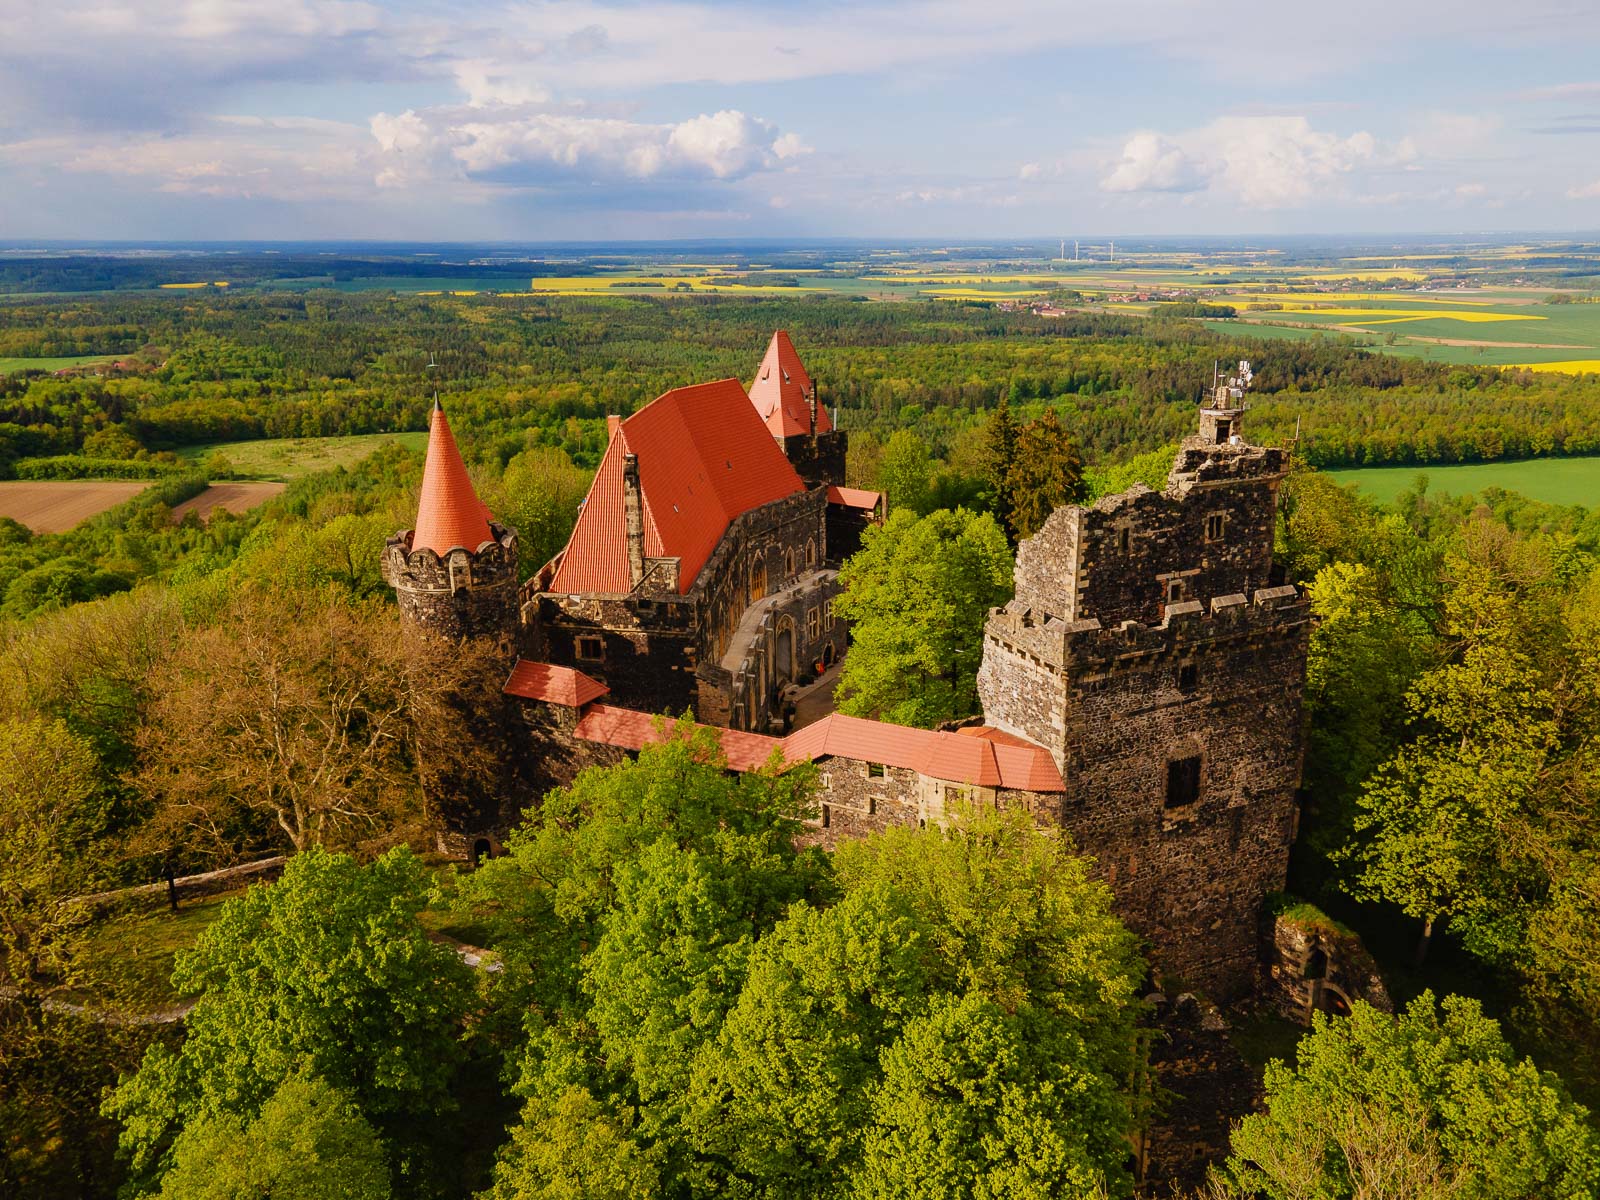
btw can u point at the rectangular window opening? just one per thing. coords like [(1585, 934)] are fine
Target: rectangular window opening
[(1126, 539), (1214, 527), (877, 771), (591, 649), (1183, 781), (1188, 676)]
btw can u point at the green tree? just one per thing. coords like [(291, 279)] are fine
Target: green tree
[(906, 472), (326, 972), (916, 597), (571, 1148), (1431, 1103), (308, 1143), (978, 1102), (538, 495), (999, 457), (1046, 473), (51, 811)]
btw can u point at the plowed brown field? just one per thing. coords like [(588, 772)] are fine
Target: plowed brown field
[(235, 497), (56, 505)]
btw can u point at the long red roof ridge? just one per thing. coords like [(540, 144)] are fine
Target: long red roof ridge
[(704, 459), (449, 513)]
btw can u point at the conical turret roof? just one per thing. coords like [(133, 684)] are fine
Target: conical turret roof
[(449, 513)]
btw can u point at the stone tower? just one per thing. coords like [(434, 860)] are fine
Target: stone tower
[(1149, 648), (455, 573)]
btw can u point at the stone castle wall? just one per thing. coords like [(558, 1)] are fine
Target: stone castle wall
[(656, 649), (818, 458), (464, 594)]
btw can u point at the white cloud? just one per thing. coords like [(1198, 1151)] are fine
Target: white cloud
[(1029, 170), (1265, 162), (533, 145), (1151, 163), (1585, 191)]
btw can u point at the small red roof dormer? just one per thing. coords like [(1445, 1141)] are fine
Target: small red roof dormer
[(449, 513), (783, 393)]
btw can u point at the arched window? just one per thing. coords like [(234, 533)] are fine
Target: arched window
[(788, 564), (758, 581), (811, 552)]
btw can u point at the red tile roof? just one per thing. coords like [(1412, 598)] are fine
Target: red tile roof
[(940, 755), (854, 497), (704, 459), (634, 730), (449, 513), (780, 389), (553, 684)]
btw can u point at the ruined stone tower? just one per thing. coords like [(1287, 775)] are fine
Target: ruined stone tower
[(455, 573), (1150, 650)]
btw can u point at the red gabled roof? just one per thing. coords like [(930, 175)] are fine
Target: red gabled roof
[(633, 730), (977, 760), (704, 459), (449, 513), (780, 389), (553, 684), (854, 497)]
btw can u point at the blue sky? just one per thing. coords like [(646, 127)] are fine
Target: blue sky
[(529, 121)]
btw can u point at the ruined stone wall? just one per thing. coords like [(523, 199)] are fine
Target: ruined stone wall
[(1314, 965), (1221, 688), (464, 594), (1131, 555), (818, 458)]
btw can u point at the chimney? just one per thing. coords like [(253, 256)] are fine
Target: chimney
[(633, 515), (811, 404)]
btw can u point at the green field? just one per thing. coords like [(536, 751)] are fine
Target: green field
[(289, 458), (1551, 480), (8, 365)]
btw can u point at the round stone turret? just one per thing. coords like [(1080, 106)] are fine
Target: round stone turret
[(455, 574)]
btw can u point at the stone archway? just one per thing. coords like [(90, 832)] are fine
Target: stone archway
[(481, 849)]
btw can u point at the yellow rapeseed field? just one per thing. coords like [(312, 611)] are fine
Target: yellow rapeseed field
[(1576, 366)]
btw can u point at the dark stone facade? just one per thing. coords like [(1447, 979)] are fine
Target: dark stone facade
[(1147, 650), (818, 458), (465, 594), (705, 650), (1313, 965)]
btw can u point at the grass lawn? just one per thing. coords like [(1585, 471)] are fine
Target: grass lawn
[(1551, 480), (8, 365), (289, 458), (127, 960)]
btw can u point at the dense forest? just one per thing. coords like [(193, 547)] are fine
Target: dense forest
[(666, 997), (192, 369)]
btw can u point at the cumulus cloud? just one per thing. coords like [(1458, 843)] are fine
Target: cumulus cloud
[(1263, 162), (531, 144)]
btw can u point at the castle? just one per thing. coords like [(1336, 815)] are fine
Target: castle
[(1140, 692)]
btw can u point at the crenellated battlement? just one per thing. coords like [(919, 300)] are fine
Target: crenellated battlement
[(461, 593), (1065, 645)]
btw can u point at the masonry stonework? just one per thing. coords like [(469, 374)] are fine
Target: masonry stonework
[(1148, 649)]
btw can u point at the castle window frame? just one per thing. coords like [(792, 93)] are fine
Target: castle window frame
[(1175, 591), (1216, 524), (813, 623), (788, 563), (1183, 782), (827, 614), (589, 648), (877, 771), (1125, 540), (811, 552), (827, 815), (1188, 677)]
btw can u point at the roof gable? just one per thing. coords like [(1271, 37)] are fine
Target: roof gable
[(552, 684), (704, 459), (780, 390)]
